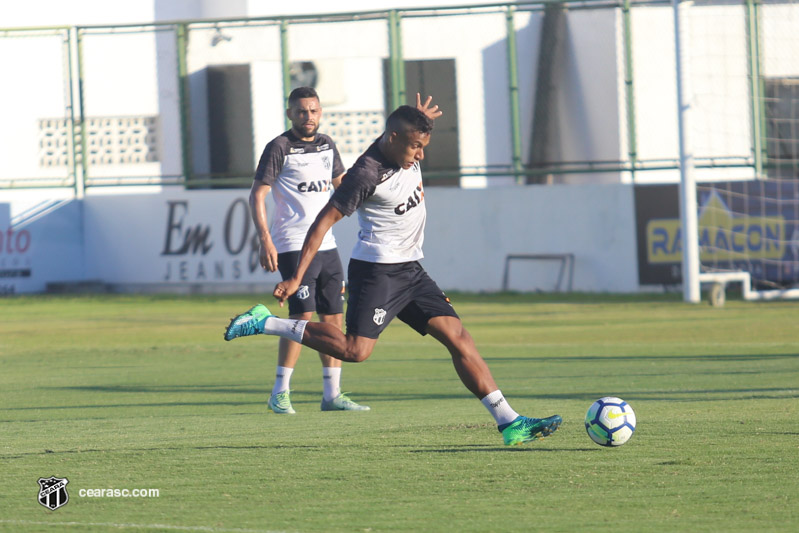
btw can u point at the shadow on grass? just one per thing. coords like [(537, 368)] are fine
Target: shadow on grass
[(413, 448), (473, 448), (207, 389), (649, 358), (292, 447), (117, 405), (258, 396)]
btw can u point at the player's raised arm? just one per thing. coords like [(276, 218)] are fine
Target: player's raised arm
[(328, 216)]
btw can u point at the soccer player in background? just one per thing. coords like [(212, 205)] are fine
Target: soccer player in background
[(385, 278), (301, 167)]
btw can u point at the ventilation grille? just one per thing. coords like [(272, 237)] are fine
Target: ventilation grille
[(353, 131), (110, 141)]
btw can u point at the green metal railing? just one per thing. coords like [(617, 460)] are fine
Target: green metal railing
[(513, 88), (183, 82), (515, 167), (284, 61), (629, 92)]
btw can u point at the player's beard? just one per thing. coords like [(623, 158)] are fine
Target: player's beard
[(306, 132)]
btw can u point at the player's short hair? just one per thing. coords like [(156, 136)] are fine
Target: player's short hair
[(407, 118), (302, 92)]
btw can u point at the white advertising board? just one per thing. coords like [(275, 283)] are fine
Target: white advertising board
[(175, 237), (204, 241), (46, 246)]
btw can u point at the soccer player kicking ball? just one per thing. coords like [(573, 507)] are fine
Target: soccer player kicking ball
[(385, 277), (300, 167)]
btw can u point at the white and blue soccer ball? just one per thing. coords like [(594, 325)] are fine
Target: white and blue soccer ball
[(610, 421)]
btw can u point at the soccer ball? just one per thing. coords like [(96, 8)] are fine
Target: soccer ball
[(610, 421)]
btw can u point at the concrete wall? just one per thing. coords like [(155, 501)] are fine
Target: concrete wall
[(178, 240), (469, 233)]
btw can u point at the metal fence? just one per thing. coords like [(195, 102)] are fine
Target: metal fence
[(533, 92)]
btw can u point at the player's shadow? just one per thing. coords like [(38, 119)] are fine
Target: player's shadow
[(116, 405), (254, 395), (205, 389), (83, 451), (726, 358), (482, 448), (685, 395)]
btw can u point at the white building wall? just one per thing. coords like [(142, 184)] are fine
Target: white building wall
[(28, 94), (655, 89), (79, 12), (477, 43), (263, 8), (589, 115)]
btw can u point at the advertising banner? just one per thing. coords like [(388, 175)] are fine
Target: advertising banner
[(42, 244), (178, 237), (750, 226), (182, 237)]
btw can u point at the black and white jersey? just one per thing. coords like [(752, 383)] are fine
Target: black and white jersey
[(390, 205), (300, 174)]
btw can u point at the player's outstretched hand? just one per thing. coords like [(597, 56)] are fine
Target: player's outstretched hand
[(284, 289), (431, 112)]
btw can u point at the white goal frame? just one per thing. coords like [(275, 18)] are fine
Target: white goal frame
[(693, 278)]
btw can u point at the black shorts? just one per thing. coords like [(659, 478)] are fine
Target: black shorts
[(380, 292), (322, 287)]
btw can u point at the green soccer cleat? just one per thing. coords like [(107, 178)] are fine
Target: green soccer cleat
[(249, 323), (280, 403), (342, 403), (525, 429)]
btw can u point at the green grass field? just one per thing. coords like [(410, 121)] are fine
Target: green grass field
[(136, 392)]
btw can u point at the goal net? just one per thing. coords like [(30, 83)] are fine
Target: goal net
[(742, 69)]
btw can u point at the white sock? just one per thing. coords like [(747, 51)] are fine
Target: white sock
[(499, 408), (331, 380), (288, 328), (282, 379)]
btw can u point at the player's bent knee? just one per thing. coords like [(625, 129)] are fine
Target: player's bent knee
[(357, 352), (357, 348), (357, 355)]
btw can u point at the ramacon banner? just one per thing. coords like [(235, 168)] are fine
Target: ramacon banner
[(750, 226)]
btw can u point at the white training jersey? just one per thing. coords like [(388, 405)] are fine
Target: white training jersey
[(300, 174), (390, 205)]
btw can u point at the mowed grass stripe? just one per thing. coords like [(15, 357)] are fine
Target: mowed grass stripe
[(141, 392)]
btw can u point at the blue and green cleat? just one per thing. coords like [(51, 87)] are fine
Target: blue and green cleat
[(525, 429), (280, 403), (249, 323), (342, 402)]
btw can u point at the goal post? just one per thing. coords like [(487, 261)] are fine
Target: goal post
[(690, 256)]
